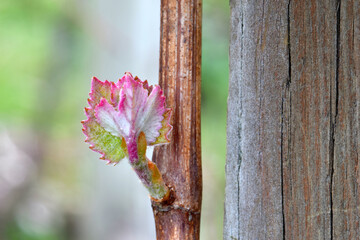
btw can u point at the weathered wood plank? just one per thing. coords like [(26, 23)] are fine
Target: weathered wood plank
[(346, 190), (309, 113), (258, 73), (317, 126), (180, 77)]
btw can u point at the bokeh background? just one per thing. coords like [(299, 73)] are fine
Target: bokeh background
[(52, 187)]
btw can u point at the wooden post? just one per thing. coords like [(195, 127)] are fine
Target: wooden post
[(180, 161), (293, 120)]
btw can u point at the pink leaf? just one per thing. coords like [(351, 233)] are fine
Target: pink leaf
[(121, 111)]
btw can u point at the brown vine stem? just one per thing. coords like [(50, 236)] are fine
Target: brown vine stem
[(180, 161)]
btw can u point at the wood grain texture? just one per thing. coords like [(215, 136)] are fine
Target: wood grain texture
[(309, 113), (293, 120), (180, 78), (346, 178), (258, 74)]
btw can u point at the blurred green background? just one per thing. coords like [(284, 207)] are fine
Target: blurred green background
[(51, 185)]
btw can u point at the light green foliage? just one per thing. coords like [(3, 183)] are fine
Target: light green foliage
[(215, 73), (42, 57), (24, 47)]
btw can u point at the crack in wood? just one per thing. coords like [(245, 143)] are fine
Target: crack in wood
[(286, 88), (240, 127), (333, 118)]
